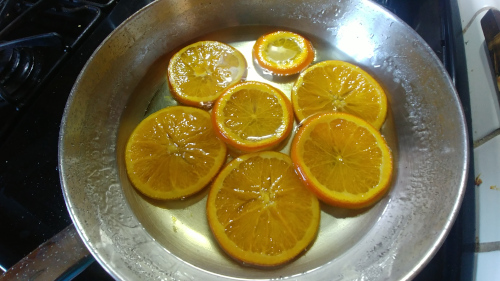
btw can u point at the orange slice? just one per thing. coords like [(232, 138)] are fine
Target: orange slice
[(174, 153), (339, 86), (200, 72), (343, 159), (283, 52), (253, 116), (259, 210)]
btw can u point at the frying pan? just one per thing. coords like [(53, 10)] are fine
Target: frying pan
[(135, 238)]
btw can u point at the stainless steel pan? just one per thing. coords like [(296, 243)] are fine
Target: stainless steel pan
[(135, 238)]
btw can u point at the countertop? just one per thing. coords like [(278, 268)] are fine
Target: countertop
[(485, 112)]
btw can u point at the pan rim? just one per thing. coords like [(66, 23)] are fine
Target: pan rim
[(103, 260)]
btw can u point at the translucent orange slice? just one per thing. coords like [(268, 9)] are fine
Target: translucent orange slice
[(283, 52), (339, 86), (200, 72), (259, 210), (253, 116), (343, 159), (174, 153)]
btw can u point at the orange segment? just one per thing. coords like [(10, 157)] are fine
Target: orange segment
[(283, 52), (259, 210), (253, 116), (339, 86), (343, 159), (200, 72), (174, 153)]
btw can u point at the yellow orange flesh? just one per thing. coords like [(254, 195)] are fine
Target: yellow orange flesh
[(174, 153), (342, 87), (343, 159), (283, 52), (253, 116), (259, 210), (200, 72)]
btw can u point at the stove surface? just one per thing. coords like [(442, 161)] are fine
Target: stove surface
[(31, 202)]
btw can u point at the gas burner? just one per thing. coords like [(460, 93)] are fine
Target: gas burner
[(36, 36), (18, 68), (21, 62)]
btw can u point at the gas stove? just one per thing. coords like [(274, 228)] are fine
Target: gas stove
[(44, 45), (36, 37)]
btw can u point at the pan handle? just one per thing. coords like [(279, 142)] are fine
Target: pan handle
[(62, 257)]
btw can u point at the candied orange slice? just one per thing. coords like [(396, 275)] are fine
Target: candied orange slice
[(343, 159), (339, 86), (174, 153), (259, 210), (283, 52), (200, 72), (253, 116)]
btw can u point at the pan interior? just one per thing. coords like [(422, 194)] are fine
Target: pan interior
[(135, 238), (181, 226)]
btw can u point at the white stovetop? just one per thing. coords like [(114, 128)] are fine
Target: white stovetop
[(485, 110)]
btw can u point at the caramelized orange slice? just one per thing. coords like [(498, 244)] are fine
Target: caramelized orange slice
[(283, 52), (253, 116), (343, 159), (200, 72), (259, 210), (174, 153), (339, 86)]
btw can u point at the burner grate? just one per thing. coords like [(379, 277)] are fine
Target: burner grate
[(48, 29), (35, 37)]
